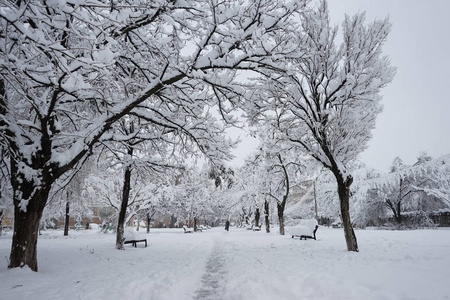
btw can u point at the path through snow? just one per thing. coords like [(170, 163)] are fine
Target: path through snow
[(214, 279), (235, 265)]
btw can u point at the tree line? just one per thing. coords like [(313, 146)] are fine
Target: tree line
[(142, 86)]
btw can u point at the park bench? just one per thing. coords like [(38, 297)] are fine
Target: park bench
[(134, 242), (130, 238), (203, 227), (188, 230), (256, 228), (305, 230)]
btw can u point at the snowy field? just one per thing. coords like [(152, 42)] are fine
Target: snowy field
[(239, 264)]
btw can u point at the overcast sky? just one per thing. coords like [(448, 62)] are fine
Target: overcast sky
[(417, 102)]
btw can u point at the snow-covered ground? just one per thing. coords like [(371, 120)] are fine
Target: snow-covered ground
[(238, 264)]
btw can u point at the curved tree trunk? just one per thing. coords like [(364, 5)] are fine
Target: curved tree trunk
[(396, 210), (344, 197)]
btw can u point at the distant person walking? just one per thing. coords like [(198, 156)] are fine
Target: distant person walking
[(227, 225)]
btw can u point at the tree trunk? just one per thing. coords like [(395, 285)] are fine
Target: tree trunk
[(344, 197), (398, 217), (148, 222), (257, 215), (66, 224), (281, 205), (26, 222), (395, 210), (24, 242), (195, 223), (123, 208), (280, 209), (266, 215), (1, 219)]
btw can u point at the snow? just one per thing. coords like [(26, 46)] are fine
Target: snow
[(238, 264)]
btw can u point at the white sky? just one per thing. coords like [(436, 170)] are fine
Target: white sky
[(416, 103)]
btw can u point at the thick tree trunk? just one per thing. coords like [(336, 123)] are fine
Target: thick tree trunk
[(344, 197), (26, 223), (266, 216), (66, 224), (123, 208), (24, 242), (30, 198), (148, 222)]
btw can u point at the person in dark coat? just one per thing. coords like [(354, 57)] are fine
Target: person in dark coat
[(227, 225)]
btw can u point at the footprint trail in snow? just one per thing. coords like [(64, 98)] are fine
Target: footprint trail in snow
[(214, 279)]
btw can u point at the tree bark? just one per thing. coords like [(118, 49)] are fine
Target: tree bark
[(24, 242), (280, 209), (281, 205), (344, 199), (66, 224), (26, 222), (399, 212), (1, 219), (395, 210), (266, 215), (123, 208), (257, 215)]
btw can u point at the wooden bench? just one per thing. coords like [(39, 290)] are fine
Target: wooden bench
[(134, 242)]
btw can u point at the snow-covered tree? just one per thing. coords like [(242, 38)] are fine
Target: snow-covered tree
[(414, 190), (327, 102), (67, 198), (418, 188), (70, 69), (283, 167)]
